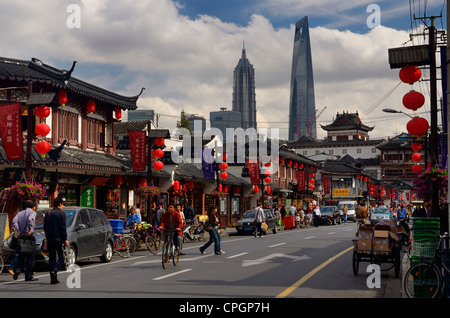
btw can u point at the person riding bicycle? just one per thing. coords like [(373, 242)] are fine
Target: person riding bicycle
[(171, 221)]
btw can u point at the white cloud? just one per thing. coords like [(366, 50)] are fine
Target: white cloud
[(188, 63)]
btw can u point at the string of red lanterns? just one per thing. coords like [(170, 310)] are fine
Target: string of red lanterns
[(42, 129)]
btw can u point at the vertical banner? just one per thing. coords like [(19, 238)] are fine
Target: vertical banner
[(326, 185), (254, 171), (208, 164), (301, 180), (11, 130), (138, 151), (88, 197)]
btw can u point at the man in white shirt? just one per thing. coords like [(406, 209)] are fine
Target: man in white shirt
[(259, 219)]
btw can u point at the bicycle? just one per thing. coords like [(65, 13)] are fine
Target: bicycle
[(169, 251), (425, 278), (154, 233), (124, 245)]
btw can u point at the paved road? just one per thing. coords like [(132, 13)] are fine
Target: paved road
[(315, 262)]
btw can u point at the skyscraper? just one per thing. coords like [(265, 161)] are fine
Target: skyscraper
[(302, 108), (244, 92)]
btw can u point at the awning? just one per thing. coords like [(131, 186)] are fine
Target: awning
[(98, 181)]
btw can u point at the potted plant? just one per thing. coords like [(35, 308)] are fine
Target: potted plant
[(146, 190), (28, 190), (423, 182)]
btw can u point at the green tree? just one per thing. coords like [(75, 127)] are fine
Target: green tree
[(184, 122)]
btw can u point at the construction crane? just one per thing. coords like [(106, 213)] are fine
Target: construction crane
[(312, 121)]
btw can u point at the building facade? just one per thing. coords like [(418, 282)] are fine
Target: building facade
[(302, 108), (244, 97)]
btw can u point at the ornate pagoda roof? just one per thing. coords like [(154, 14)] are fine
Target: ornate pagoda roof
[(347, 121)]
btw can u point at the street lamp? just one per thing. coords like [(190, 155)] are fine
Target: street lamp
[(393, 111)]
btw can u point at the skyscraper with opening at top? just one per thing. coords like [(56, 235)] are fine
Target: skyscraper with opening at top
[(302, 108)]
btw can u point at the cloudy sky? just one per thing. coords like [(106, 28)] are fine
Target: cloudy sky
[(184, 52)]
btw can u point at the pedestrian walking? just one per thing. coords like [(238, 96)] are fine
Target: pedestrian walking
[(56, 234), (210, 228), (189, 213), (317, 214), (344, 212), (24, 223), (159, 213), (259, 219)]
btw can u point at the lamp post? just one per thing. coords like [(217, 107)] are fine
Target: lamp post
[(393, 111)]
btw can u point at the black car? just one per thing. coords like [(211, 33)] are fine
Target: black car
[(246, 223), (88, 232), (330, 215)]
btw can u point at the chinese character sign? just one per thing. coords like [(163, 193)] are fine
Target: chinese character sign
[(11, 130), (253, 170), (88, 196), (138, 149)]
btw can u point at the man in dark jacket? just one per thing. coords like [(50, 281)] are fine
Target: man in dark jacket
[(56, 234)]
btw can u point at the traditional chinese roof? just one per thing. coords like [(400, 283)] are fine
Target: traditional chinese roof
[(34, 71), (347, 121)]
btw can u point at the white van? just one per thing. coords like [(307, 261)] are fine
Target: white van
[(351, 205)]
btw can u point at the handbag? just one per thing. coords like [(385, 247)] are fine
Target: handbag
[(44, 246), (264, 226), (26, 246), (208, 226)]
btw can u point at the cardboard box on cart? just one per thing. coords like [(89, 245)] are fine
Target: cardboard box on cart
[(364, 238), (381, 242)]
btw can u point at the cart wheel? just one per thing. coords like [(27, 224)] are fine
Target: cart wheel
[(356, 260), (397, 259)]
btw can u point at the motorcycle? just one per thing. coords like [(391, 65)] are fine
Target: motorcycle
[(193, 231), (403, 231)]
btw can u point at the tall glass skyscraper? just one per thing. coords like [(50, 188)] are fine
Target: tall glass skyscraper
[(244, 100), (302, 108)]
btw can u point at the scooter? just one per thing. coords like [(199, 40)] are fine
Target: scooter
[(193, 231)]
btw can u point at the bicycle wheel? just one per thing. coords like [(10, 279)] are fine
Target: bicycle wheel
[(131, 243), (121, 248), (151, 245), (423, 280), (176, 256), (165, 254), (2, 263)]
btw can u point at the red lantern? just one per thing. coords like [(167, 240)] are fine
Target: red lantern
[(413, 100), (224, 157), (416, 146), (268, 189), (256, 188), (159, 141), (43, 147), (312, 186), (311, 175), (225, 189), (223, 165), (143, 182), (190, 184), (267, 179), (417, 126), (416, 168), (224, 175), (42, 111), (290, 162), (158, 153), (158, 165), (410, 74), (267, 172), (219, 188), (416, 157), (118, 113), (42, 129), (267, 164), (176, 185), (312, 180), (62, 96), (282, 161), (118, 180), (237, 190), (91, 106)]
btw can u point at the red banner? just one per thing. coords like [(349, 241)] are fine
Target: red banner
[(11, 130), (253, 170), (326, 185), (138, 148), (301, 180)]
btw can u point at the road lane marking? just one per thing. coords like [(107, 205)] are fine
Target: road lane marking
[(302, 280), (173, 274), (331, 233), (277, 245), (237, 255), (309, 237), (268, 258)]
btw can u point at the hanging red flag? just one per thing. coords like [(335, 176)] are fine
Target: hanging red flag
[(301, 180), (253, 170), (11, 130)]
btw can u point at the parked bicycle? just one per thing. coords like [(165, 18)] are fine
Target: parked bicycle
[(169, 251), (425, 279), (124, 245), (155, 233)]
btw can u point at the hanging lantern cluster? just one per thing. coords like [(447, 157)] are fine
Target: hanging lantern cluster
[(268, 179), (42, 129), (158, 153), (312, 181), (413, 100), (224, 166)]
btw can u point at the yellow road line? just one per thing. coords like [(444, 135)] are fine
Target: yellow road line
[(302, 280)]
